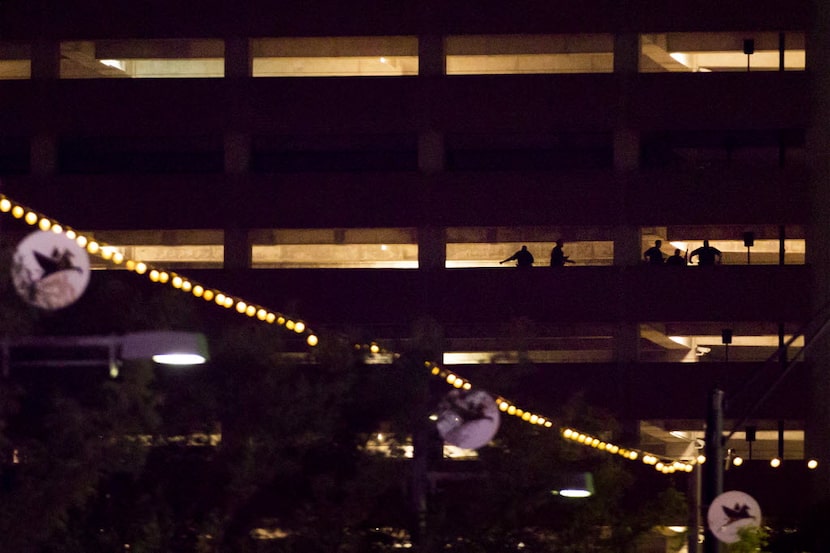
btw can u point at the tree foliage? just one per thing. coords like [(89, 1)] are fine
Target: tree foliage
[(259, 445)]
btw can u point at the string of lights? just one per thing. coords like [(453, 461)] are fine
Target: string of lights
[(226, 300), (156, 274)]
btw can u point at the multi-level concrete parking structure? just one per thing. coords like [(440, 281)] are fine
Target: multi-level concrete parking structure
[(369, 162)]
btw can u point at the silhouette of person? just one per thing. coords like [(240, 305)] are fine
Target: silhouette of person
[(676, 259), (522, 257), (653, 255), (557, 255), (706, 255)]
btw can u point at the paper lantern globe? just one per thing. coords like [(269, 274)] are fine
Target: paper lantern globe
[(468, 419), (50, 270)]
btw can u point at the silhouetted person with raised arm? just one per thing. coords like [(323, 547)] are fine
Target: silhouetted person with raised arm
[(676, 260), (707, 255), (557, 255), (653, 255), (522, 257)]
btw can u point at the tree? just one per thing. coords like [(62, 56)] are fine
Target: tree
[(751, 539), (93, 463)]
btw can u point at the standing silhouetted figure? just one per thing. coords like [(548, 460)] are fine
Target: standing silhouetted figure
[(706, 255), (677, 259), (557, 255), (653, 255), (523, 258)]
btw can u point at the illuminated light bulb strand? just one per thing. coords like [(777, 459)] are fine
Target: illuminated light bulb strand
[(155, 274), (506, 406)]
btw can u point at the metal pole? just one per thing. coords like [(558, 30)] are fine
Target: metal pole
[(692, 543), (712, 485)]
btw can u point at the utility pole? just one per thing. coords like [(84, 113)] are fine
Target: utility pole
[(714, 466)]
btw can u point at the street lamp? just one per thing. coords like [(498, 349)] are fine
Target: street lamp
[(574, 485), (164, 346)]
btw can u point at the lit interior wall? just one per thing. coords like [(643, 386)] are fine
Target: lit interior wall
[(335, 56), (161, 58), (517, 54), (707, 52)]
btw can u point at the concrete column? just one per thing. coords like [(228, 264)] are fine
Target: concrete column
[(432, 247), (45, 66), (431, 152), (626, 53), (627, 342), (238, 65), (43, 154), (626, 236), (431, 58), (239, 61), (627, 245), (237, 152), (432, 241), (237, 249), (626, 150), (431, 63), (627, 333), (46, 59)]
